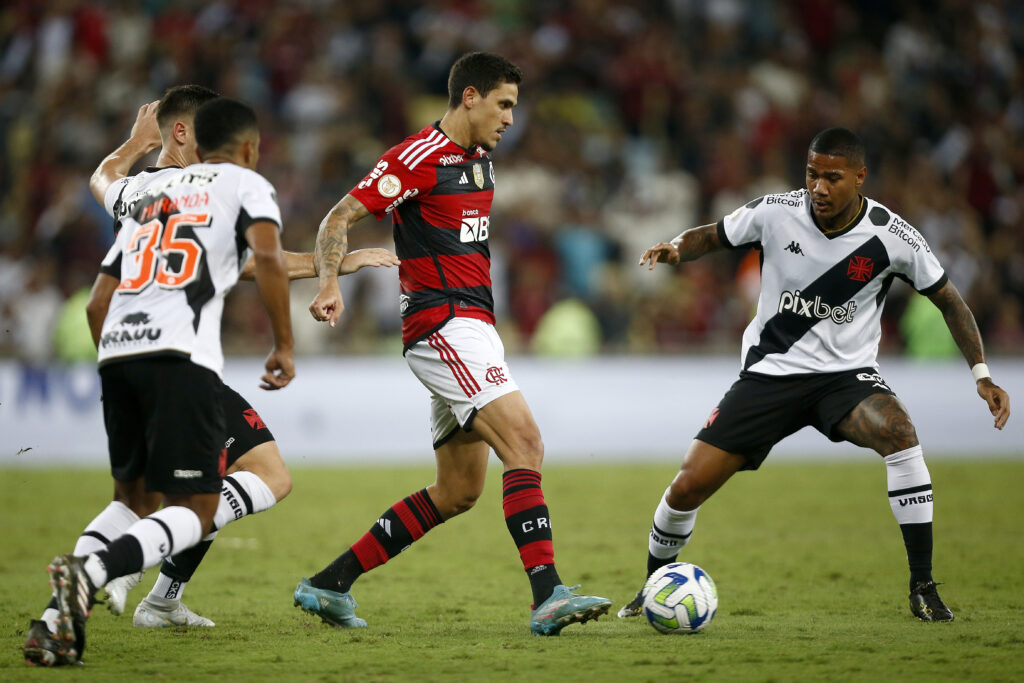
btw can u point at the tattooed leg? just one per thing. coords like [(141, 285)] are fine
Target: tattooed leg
[(881, 423)]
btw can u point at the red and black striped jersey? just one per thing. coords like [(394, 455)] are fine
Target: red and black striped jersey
[(439, 195)]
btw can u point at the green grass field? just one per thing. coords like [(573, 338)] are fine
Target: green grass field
[(808, 561)]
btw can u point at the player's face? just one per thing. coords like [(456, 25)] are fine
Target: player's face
[(833, 183), (493, 114)]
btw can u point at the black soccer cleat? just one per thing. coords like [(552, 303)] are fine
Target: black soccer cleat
[(634, 607), (926, 605), (75, 598), (41, 648)]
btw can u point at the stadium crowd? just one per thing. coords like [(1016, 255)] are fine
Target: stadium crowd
[(636, 119)]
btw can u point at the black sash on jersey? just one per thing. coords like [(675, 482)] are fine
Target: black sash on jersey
[(835, 287)]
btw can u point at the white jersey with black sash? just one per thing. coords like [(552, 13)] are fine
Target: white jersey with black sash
[(179, 248), (822, 293)]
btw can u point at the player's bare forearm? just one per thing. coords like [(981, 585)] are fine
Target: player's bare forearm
[(99, 303), (332, 238), (964, 329), (298, 265), (144, 138), (272, 279), (960, 322), (687, 246), (696, 242)]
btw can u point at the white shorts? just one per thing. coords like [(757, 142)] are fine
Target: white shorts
[(463, 366)]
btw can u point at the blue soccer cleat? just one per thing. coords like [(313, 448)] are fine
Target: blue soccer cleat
[(336, 609), (565, 607)]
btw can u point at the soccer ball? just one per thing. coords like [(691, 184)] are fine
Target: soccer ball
[(680, 598)]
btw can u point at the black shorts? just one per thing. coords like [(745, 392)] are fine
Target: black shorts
[(759, 410), (245, 428), (165, 421)]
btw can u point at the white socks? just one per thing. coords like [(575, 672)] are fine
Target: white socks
[(104, 528), (242, 493), (160, 535), (670, 530), (910, 486)]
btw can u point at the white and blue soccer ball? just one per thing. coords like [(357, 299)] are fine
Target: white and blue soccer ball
[(680, 598)]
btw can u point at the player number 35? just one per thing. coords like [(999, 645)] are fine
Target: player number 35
[(151, 244)]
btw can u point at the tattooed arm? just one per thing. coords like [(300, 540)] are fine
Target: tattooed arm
[(687, 246), (964, 329), (331, 247)]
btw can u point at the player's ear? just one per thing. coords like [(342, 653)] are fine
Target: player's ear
[(470, 96), (179, 131), (862, 173)]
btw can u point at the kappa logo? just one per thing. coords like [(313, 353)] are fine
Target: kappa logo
[(385, 524), (711, 418), (875, 379), (254, 419), (860, 268), (495, 375), (795, 248)]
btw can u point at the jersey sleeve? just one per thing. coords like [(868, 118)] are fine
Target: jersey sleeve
[(402, 173), (919, 266), (257, 202), (114, 194), (744, 226)]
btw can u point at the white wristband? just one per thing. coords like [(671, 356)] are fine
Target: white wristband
[(980, 372)]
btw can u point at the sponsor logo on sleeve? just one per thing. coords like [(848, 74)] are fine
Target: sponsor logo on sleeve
[(377, 171), (389, 186)]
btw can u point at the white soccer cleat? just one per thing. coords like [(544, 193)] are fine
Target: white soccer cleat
[(148, 615), (117, 591)]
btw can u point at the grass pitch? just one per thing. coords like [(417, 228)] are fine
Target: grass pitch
[(808, 561)]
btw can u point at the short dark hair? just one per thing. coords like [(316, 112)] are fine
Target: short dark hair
[(219, 122), (485, 71), (840, 142), (182, 100)]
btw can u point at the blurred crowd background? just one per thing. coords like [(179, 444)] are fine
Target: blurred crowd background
[(636, 119)]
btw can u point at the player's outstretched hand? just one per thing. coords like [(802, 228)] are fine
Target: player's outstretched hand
[(280, 367), (146, 129), (328, 304), (997, 399), (361, 258), (662, 252)]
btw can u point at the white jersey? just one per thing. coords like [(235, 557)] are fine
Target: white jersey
[(822, 295), (179, 248)]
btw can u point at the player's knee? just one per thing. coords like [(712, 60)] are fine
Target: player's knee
[(685, 494), (531, 450), (279, 483)]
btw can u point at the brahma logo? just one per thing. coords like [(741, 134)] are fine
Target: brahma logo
[(792, 302)]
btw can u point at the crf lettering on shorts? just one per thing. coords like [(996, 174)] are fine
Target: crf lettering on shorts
[(535, 524), (914, 500), (474, 229), (792, 302)]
